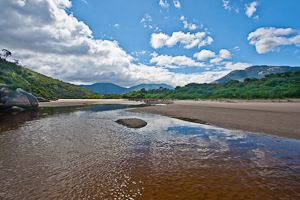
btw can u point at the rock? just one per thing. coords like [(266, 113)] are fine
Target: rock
[(4, 99), (5, 91), (41, 99), (22, 99), (132, 122)]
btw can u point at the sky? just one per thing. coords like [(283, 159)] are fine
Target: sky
[(130, 42)]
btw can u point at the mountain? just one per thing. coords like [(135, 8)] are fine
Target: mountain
[(255, 72), (110, 88), (16, 76), (149, 87), (105, 88)]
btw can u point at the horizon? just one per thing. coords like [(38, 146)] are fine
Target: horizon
[(134, 42)]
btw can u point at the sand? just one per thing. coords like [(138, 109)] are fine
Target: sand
[(277, 118), (267, 117), (81, 102)]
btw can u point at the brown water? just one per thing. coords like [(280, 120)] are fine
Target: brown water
[(81, 153)]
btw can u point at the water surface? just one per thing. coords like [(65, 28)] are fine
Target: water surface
[(82, 153)]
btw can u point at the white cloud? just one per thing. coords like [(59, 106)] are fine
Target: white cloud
[(170, 61), (229, 7), (251, 8), (177, 4), (164, 3), (216, 60), (54, 43), (267, 38), (205, 42), (190, 26), (236, 66), (20, 3), (158, 40), (224, 54), (204, 54), (226, 5), (187, 25), (117, 25), (147, 20), (237, 48)]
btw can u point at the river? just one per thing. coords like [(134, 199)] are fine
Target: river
[(82, 153)]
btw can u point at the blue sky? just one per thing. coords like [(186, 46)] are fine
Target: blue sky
[(128, 42)]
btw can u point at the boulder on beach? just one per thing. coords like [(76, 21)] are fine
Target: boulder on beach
[(132, 122), (22, 99)]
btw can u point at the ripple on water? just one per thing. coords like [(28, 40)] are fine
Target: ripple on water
[(80, 152)]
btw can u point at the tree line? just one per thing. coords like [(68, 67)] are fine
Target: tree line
[(272, 86)]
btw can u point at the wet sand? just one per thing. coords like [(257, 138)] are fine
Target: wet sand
[(277, 118), (80, 102)]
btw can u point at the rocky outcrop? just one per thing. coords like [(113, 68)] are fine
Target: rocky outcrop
[(19, 98), (132, 122)]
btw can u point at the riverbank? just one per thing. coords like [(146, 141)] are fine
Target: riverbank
[(81, 102), (277, 117)]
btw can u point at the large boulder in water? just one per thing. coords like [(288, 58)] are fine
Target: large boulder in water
[(132, 122), (22, 99)]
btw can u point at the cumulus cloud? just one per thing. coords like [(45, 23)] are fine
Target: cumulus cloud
[(52, 42), (164, 3), (204, 54), (177, 4), (224, 54), (170, 61), (266, 39), (158, 40), (251, 8), (190, 26), (216, 60)]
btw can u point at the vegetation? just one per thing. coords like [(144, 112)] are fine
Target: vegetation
[(272, 86), (16, 76), (106, 96)]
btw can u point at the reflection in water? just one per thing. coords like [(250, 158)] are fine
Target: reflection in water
[(80, 152)]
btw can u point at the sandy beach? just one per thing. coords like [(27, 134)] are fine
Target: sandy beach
[(277, 118)]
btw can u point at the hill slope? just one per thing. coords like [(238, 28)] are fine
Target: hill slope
[(255, 72), (39, 85), (110, 88), (272, 86)]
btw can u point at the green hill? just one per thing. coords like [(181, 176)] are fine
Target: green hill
[(255, 72), (272, 86), (16, 76)]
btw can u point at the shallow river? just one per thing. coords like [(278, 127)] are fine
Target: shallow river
[(82, 153)]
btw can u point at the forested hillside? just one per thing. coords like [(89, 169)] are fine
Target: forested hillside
[(272, 86), (16, 76)]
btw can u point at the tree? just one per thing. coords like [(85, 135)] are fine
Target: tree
[(6, 53)]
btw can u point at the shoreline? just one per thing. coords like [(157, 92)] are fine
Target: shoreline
[(82, 102), (273, 118), (270, 117)]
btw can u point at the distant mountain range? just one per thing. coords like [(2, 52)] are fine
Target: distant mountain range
[(110, 88), (255, 72)]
